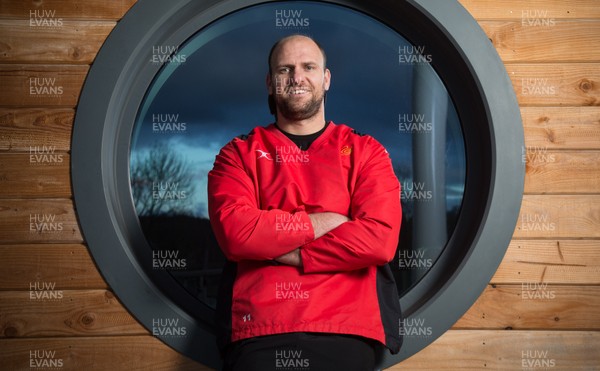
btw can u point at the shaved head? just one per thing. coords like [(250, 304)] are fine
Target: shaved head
[(277, 46)]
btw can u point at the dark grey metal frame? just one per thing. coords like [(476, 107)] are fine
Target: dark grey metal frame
[(474, 76)]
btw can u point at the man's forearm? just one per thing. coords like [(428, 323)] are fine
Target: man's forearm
[(325, 222), (322, 224), (292, 258)]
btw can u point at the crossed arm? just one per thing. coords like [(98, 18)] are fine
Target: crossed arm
[(322, 224), (334, 242)]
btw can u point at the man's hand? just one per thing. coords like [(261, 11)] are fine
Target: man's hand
[(322, 223), (292, 258)]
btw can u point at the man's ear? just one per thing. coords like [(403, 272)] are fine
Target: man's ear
[(269, 85), (327, 79)]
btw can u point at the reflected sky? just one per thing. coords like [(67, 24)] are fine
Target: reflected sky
[(216, 90)]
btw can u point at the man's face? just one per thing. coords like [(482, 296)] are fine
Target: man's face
[(298, 79)]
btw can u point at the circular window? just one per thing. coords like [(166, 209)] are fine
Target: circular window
[(397, 97), (152, 119)]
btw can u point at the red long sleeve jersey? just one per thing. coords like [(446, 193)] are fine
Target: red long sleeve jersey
[(261, 190)]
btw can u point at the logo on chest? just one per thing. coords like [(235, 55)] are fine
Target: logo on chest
[(263, 154)]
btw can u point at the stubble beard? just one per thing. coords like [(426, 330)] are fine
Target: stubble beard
[(291, 111)]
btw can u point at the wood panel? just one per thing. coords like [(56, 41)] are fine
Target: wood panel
[(562, 127), (60, 312), (556, 84), (42, 173), (517, 9), (560, 41), (78, 41), (73, 42), (42, 221), (557, 216), (542, 216), (41, 85), (88, 9), (535, 305), (96, 353), (71, 266), (508, 350), (548, 127), (21, 129), (561, 172), (551, 50), (550, 261), (455, 350), (46, 310), (535, 84), (67, 266)]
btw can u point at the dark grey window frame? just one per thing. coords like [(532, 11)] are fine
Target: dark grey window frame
[(473, 74)]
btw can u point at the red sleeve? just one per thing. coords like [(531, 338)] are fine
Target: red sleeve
[(242, 229), (371, 236)]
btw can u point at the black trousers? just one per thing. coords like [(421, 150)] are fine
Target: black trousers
[(301, 351)]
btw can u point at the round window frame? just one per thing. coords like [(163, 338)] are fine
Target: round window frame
[(116, 85)]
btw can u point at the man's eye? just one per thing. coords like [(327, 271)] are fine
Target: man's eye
[(284, 70)]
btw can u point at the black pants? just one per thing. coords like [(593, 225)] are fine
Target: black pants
[(300, 351)]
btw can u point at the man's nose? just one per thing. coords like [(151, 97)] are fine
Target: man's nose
[(297, 77)]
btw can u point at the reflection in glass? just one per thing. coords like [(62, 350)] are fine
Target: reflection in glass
[(213, 89)]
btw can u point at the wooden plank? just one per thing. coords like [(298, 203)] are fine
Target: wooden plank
[(535, 305), (96, 353), (550, 127), (67, 266), (508, 350), (79, 41), (61, 9), (42, 173), (455, 350), (44, 221), (517, 9), (46, 310), (541, 216), (21, 129), (556, 84), (41, 85), (561, 41), (566, 172), (558, 216), (74, 42), (562, 127), (550, 261)]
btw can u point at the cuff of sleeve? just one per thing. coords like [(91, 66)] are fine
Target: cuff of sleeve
[(306, 226), (306, 261)]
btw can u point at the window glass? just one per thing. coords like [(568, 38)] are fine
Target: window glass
[(212, 88)]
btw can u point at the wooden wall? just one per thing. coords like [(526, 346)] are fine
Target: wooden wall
[(541, 308)]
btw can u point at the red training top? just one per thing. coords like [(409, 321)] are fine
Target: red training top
[(261, 190)]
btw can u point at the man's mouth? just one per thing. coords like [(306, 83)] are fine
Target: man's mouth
[(298, 91)]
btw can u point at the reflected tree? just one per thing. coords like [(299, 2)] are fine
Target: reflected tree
[(162, 185), (161, 182)]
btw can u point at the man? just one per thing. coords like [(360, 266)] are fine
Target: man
[(307, 213)]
